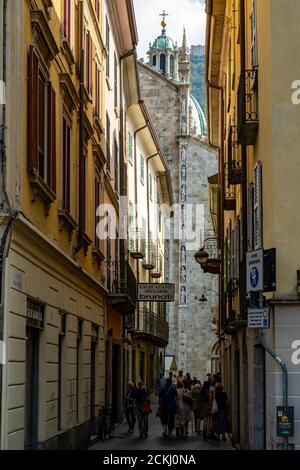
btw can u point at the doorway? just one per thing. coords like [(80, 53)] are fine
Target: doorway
[(31, 388), (93, 387), (116, 380), (237, 414), (259, 399)]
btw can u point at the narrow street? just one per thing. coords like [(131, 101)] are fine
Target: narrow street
[(155, 441)]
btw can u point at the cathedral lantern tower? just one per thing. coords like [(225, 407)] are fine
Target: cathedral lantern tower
[(163, 53)]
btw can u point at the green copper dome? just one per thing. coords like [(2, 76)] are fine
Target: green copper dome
[(163, 42)]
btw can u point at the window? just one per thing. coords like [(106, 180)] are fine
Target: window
[(151, 186), (67, 20), (66, 170), (172, 70), (42, 124), (254, 53), (154, 61), (163, 63), (82, 192), (97, 203), (97, 9), (107, 47), (89, 63), (116, 83), (131, 216), (108, 141), (97, 90), (142, 169), (130, 147), (116, 161)]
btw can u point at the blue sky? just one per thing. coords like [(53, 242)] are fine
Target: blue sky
[(188, 13)]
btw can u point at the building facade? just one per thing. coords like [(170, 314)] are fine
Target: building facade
[(180, 125), (253, 122)]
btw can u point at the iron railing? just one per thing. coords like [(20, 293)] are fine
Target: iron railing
[(150, 324), (121, 280), (247, 108)]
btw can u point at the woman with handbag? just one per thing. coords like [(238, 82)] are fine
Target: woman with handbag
[(143, 409)]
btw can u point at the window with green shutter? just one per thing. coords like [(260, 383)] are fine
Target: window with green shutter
[(142, 170), (130, 148)]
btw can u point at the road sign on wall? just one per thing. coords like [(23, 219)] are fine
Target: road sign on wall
[(156, 292), (285, 421), (255, 271), (258, 318)]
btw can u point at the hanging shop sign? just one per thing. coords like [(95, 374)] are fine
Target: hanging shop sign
[(156, 292), (35, 314)]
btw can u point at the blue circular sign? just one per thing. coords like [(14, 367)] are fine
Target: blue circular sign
[(254, 277)]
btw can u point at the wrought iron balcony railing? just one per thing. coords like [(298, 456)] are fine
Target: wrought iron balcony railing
[(150, 256), (122, 286), (247, 108), (158, 269), (233, 168), (150, 326), (136, 243)]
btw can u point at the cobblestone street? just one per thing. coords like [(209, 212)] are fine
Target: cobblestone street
[(155, 441)]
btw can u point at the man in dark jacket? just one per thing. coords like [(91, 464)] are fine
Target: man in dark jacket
[(168, 405)]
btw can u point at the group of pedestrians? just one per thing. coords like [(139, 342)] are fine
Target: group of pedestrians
[(181, 397), (181, 401)]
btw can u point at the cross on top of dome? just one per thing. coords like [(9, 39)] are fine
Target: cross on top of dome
[(163, 23)]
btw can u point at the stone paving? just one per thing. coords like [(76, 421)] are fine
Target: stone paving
[(155, 440)]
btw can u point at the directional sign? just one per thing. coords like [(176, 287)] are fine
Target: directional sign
[(258, 318), (255, 271), (155, 292), (285, 421)]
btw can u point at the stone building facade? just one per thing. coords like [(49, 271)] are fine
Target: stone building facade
[(180, 126)]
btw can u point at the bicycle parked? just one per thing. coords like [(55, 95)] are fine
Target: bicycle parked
[(106, 425)]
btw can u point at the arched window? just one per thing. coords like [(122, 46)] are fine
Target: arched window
[(172, 66), (163, 63), (154, 61)]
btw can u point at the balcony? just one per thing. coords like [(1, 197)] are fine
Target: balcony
[(149, 326), (230, 201), (209, 256), (247, 108), (122, 286), (150, 256), (158, 268), (233, 168), (136, 243)]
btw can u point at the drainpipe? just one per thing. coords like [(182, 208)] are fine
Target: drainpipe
[(81, 134), (283, 366)]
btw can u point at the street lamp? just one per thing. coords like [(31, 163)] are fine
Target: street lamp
[(204, 298)]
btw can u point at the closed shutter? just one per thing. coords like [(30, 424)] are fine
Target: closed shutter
[(257, 203), (232, 254), (51, 138), (250, 216), (237, 248), (254, 58), (33, 160)]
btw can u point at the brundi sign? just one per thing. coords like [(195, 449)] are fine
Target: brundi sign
[(155, 293)]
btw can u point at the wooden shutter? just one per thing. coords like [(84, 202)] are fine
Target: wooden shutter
[(90, 64), (254, 58), (257, 203), (250, 216), (33, 159), (232, 255), (51, 169)]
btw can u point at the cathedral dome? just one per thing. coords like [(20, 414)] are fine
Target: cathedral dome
[(163, 42), (197, 117)]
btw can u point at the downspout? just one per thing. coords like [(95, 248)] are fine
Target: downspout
[(81, 135), (283, 366), (4, 247), (245, 228)]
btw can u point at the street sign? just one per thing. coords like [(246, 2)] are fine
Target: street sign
[(285, 421), (156, 292), (255, 271), (258, 318)]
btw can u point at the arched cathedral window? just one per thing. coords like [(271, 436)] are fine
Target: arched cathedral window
[(154, 61), (172, 66), (163, 63)]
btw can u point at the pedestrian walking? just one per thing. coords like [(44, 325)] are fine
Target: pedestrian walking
[(188, 381), (143, 408), (130, 406), (221, 398), (184, 405), (197, 406), (206, 411), (180, 378), (167, 407)]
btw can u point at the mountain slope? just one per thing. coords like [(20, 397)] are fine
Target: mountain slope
[(198, 80)]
